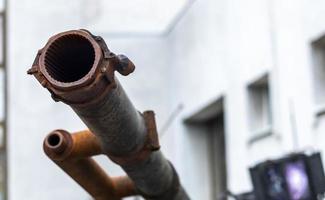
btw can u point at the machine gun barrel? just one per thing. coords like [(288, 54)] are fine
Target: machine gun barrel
[(73, 152)]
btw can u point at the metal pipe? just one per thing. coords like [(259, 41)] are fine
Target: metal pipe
[(72, 154), (78, 69), (125, 186), (61, 145)]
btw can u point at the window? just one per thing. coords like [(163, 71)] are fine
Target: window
[(259, 108), (318, 70), (206, 128)]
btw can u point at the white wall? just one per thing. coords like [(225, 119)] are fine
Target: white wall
[(222, 47)]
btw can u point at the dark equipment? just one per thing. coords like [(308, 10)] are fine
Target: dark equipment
[(78, 69), (295, 177)]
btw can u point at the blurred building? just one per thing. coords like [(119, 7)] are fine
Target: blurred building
[(232, 83)]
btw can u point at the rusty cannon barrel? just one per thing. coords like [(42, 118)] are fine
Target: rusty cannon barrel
[(78, 69)]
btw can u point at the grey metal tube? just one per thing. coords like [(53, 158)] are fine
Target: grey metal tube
[(115, 121)]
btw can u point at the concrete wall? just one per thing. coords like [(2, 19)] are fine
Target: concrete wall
[(216, 49), (222, 47)]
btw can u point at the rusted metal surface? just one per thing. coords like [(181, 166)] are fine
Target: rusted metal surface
[(124, 186), (72, 154), (60, 145), (78, 69)]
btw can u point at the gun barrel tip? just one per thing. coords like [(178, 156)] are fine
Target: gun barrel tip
[(56, 141)]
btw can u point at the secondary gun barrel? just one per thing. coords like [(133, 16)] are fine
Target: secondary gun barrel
[(73, 152), (78, 69)]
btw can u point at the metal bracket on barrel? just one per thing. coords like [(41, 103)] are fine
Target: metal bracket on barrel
[(152, 137), (120, 63), (151, 144)]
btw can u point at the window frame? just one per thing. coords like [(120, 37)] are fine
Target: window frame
[(259, 92)]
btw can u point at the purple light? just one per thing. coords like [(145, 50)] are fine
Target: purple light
[(297, 180)]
